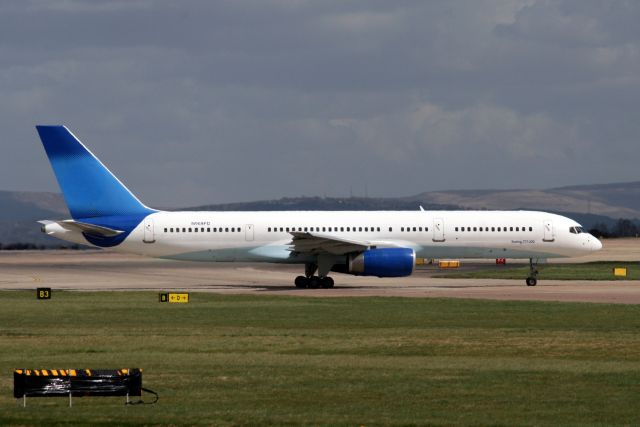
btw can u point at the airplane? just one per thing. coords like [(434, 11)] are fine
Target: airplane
[(105, 214)]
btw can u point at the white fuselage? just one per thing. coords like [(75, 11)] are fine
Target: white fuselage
[(265, 236)]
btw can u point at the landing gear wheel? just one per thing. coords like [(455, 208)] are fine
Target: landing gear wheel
[(327, 282), (301, 282), (314, 282), (532, 281)]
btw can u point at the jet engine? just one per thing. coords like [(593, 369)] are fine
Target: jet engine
[(383, 262)]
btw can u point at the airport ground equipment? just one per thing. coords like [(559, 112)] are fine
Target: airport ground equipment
[(79, 383), (620, 272)]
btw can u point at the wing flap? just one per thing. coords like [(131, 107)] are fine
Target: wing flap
[(311, 243)]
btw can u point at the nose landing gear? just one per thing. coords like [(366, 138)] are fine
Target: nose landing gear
[(532, 280)]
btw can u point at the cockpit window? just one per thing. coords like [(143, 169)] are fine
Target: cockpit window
[(576, 230)]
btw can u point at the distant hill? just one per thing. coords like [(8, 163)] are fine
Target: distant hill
[(587, 204), (621, 200), (326, 204), (19, 212)]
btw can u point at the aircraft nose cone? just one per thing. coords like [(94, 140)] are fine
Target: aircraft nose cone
[(595, 244)]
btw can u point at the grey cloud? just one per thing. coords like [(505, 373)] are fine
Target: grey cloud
[(199, 101)]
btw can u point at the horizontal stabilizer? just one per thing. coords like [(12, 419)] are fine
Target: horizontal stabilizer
[(83, 227)]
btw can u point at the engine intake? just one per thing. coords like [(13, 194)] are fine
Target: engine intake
[(383, 262)]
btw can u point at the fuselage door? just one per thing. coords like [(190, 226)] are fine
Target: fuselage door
[(149, 234), (438, 230), (548, 232), (248, 232)]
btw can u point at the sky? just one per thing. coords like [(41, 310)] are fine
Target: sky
[(196, 102)]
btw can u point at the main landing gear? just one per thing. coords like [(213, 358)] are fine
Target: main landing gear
[(313, 282), (532, 280)]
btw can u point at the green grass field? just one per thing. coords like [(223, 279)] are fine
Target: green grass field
[(257, 360), (602, 270)]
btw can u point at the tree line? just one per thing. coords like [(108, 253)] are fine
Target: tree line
[(621, 228), (23, 246)]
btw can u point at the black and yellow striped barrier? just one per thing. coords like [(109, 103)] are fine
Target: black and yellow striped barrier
[(76, 383)]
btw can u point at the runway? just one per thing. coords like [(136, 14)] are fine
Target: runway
[(100, 270)]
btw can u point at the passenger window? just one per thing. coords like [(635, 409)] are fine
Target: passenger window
[(390, 229), (475, 228), (530, 228), (493, 229), (517, 228), (171, 229), (226, 229), (208, 229), (510, 228)]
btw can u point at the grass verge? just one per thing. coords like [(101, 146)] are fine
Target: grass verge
[(602, 270), (249, 360)]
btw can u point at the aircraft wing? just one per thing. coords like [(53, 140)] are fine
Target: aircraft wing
[(315, 243)]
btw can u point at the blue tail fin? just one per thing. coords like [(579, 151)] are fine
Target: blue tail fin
[(89, 188)]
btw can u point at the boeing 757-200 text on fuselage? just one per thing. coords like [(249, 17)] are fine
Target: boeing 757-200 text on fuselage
[(106, 214)]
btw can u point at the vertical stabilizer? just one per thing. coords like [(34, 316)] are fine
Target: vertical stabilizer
[(89, 188)]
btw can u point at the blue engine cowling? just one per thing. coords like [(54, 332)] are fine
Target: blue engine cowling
[(383, 262)]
